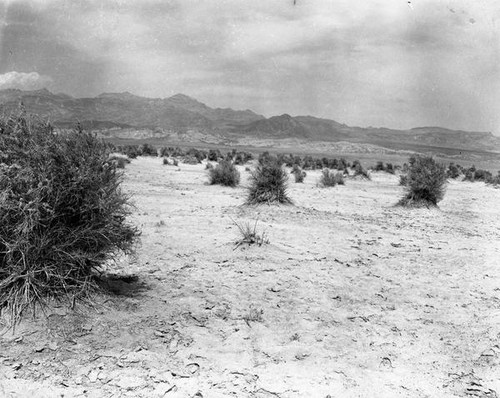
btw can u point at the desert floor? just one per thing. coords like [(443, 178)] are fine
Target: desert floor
[(352, 297)]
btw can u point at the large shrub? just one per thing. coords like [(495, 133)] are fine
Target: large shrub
[(425, 182), (62, 213), (225, 173), (268, 182)]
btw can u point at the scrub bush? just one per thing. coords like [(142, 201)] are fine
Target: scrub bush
[(62, 213)]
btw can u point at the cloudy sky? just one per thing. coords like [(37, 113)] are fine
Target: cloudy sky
[(389, 63)]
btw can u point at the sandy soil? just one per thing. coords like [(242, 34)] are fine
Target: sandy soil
[(352, 297)]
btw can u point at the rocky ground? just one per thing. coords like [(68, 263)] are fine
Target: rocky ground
[(351, 297)]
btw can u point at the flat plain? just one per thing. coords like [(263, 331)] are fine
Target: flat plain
[(352, 297)]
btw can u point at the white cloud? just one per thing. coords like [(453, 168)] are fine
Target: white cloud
[(24, 81)]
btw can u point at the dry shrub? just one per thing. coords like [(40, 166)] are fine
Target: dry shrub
[(119, 161), (329, 178), (268, 183), (298, 173), (300, 176), (403, 180), (425, 182), (225, 173), (62, 213), (359, 171)]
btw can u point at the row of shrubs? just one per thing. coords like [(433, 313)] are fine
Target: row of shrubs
[(424, 181), (226, 173), (190, 156), (308, 162)]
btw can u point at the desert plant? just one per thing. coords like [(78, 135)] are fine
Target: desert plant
[(495, 180), (469, 175), (214, 155), (268, 183), (482, 175), (190, 160), (249, 234), (132, 151), (162, 152), (327, 179), (62, 213), (339, 178), (298, 173), (253, 315), (195, 155), (426, 181), (453, 171), (403, 179), (119, 161), (147, 150), (359, 171), (300, 176), (225, 173), (330, 179), (379, 166)]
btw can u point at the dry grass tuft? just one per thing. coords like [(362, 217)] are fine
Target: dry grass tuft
[(249, 235)]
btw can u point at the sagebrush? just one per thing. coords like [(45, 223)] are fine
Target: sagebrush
[(268, 183), (298, 174), (62, 213), (330, 178), (225, 173), (425, 182)]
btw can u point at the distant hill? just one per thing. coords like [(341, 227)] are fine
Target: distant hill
[(186, 118)]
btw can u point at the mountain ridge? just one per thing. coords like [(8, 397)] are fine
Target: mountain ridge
[(182, 114)]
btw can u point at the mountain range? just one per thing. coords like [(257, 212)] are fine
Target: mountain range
[(185, 118)]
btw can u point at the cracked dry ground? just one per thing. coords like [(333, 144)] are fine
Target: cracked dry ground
[(352, 297)]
